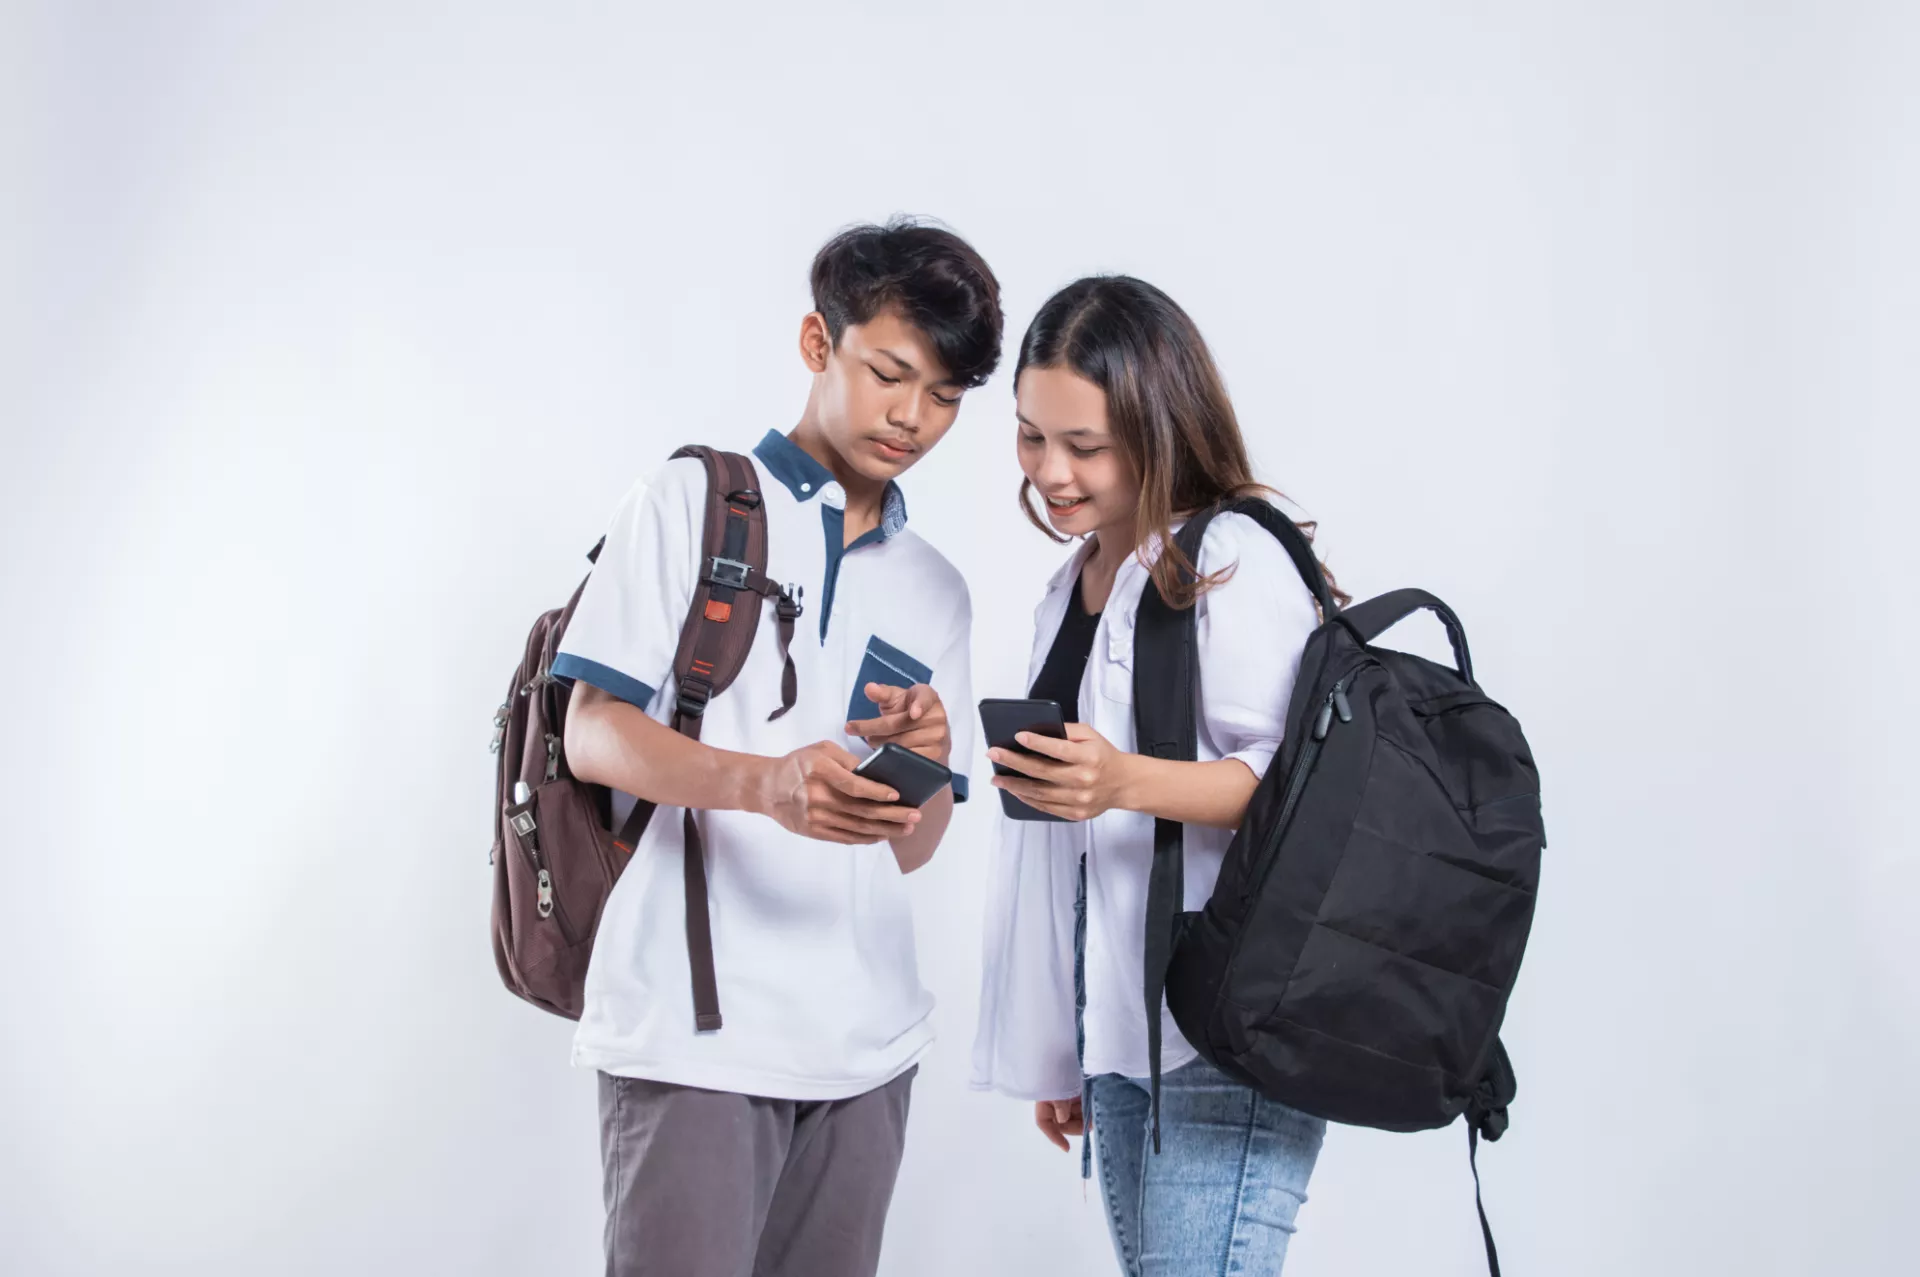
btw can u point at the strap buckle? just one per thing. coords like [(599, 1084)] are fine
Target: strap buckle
[(694, 695), (731, 573), (787, 606)]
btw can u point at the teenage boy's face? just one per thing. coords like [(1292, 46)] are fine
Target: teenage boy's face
[(885, 398), (1068, 452)]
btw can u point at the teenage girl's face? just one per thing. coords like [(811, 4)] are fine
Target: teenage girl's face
[(883, 396), (1069, 453)]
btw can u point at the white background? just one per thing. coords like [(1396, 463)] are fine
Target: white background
[(331, 335)]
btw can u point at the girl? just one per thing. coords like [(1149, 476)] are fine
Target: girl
[(1125, 429)]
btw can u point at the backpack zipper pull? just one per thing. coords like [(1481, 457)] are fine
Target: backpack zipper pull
[(1336, 703), (499, 730), (546, 895), (553, 756), (523, 822)]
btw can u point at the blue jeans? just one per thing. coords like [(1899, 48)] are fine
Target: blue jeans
[(1219, 1199)]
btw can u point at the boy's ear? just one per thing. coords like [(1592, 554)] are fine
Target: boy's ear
[(815, 343)]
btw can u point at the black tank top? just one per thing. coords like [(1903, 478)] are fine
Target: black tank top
[(1066, 662)]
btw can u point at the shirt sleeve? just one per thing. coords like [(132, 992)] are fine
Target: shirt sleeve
[(623, 636), (1264, 611), (953, 679)]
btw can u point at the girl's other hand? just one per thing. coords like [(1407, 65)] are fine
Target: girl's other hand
[(1058, 1119)]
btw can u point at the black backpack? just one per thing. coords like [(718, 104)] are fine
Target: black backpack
[(1356, 956)]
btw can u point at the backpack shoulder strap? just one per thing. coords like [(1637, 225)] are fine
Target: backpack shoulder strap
[(1164, 727), (1164, 721), (1283, 529), (717, 636), (714, 643)]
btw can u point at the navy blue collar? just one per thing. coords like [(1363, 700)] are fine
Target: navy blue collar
[(792, 466), (804, 477)]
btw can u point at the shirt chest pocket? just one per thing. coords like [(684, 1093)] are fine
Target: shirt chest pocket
[(1112, 659), (887, 665)]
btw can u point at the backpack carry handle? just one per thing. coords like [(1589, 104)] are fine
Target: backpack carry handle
[(1375, 617)]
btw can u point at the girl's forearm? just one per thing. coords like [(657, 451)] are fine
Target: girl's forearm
[(1213, 794)]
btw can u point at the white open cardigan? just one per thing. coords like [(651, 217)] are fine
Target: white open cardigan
[(1250, 632)]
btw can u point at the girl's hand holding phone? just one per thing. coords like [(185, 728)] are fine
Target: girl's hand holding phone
[(1074, 779)]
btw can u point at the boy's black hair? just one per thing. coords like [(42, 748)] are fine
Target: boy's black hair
[(930, 276)]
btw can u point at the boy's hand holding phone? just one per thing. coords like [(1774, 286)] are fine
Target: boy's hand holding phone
[(911, 717), (814, 792)]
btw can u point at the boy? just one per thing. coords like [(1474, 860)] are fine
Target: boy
[(771, 1145)]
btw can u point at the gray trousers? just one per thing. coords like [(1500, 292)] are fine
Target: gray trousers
[(711, 1184)]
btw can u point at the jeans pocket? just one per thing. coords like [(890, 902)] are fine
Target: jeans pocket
[(887, 665)]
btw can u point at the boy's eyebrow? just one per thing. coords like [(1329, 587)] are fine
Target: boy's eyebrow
[(906, 366)]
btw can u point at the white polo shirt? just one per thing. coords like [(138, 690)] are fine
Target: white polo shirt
[(813, 941)]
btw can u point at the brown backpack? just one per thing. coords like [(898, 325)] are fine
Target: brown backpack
[(555, 853)]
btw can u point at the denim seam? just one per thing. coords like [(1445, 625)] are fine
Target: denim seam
[(1227, 1263), (1128, 1260), (1140, 1198), (1080, 1019)]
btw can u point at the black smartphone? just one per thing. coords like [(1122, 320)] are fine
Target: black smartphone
[(1006, 719), (915, 777)]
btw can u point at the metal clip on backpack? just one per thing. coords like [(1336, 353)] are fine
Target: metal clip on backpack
[(555, 858), (1356, 956)]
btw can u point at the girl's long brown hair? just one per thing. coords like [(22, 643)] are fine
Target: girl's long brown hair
[(1166, 405)]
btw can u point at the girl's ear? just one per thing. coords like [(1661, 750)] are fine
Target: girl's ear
[(815, 342)]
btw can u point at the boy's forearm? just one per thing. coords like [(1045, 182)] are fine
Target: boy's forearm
[(612, 743), (917, 848)]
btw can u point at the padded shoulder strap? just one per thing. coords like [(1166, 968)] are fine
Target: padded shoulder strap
[(1284, 530), (714, 643), (1164, 727), (1164, 711), (717, 636)]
